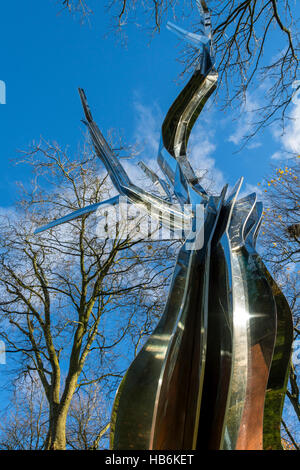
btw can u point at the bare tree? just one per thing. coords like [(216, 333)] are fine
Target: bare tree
[(24, 421), (80, 6), (72, 301), (256, 41), (124, 11), (281, 247), (88, 421), (282, 194), (243, 31)]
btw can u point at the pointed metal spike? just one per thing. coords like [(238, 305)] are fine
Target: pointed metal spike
[(202, 6), (197, 40), (241, 213), (77, 214), (148, 172), (253, 226), (235, 191), (116, 171), (85, 105), (159, 183)]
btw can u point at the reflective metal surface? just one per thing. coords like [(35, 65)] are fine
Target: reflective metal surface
[(162, 186), (280, 360), (213, 374), (154, 407), (79, 213)]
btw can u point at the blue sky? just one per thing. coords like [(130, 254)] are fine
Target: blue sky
[(46, 56)]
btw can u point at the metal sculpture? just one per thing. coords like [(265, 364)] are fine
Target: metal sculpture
[(213, 374)]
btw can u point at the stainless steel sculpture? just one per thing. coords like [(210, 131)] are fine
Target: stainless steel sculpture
[(213, 374)]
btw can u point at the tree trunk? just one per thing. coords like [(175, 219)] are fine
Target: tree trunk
[(56, 439)]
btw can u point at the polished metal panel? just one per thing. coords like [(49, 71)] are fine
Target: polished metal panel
[(253, 225), (135, 402), (178, 124), (219, 345), (222, 302), (278, 363), (167, 164), (180, 187), (241, 212), (241, 337), (146, 413), (178, 398), (254, 333), (161, 185), (279, 370)]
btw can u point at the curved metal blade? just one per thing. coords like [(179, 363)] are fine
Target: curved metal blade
[(196, 40), (241, 213), (253, 225), (156, 206)]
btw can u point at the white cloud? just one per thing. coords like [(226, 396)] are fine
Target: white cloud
[(148, 121), (277, 156), (291, 138), (201, 148), (251, 188), (254, 145), (245, 122), (148, 124), (8, 212)]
